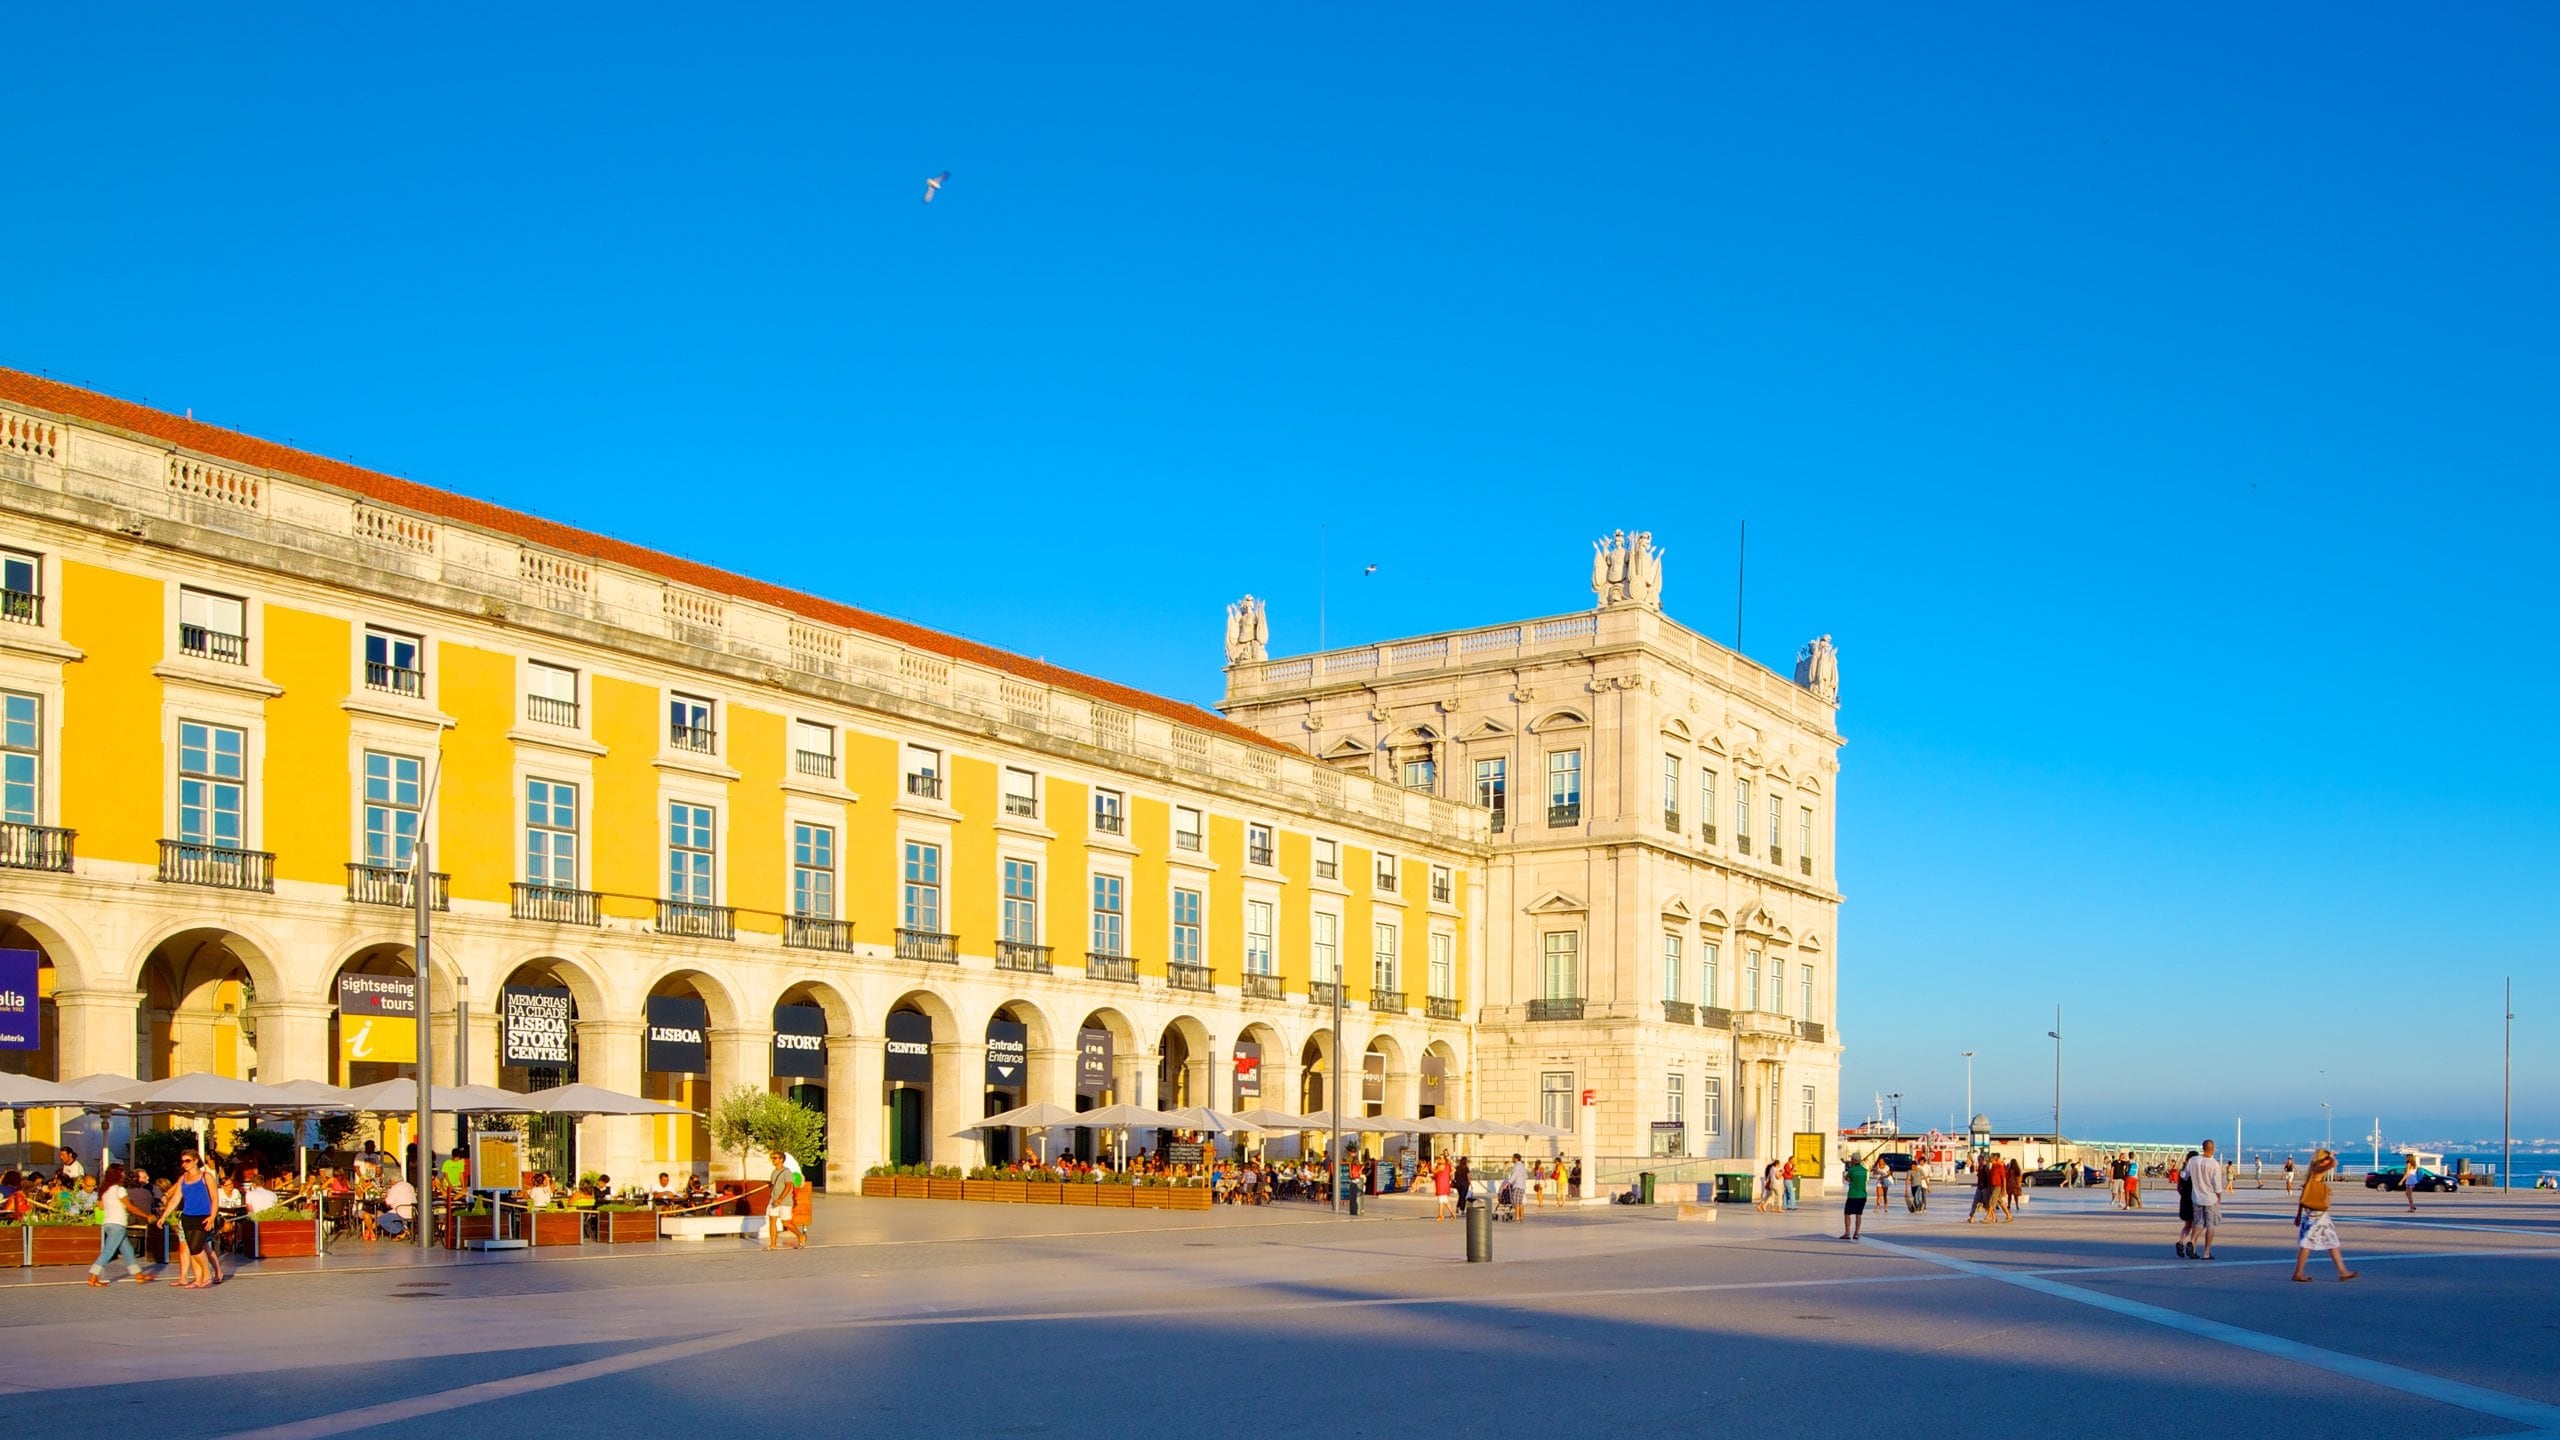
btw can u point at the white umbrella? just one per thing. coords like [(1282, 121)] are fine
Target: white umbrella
[(1039, 1115), (1209, 1122), (589, 1100), (26, 1092), (201, 1093), (105, 1091), (1124, 1118), (1271, 1120), (399, 1096)]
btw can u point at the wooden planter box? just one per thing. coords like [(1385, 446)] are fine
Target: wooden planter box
[(1043, 1192), (1003, 1192), (13, 1246), (1076, 1192), (909, 1187), (281, 1239), (557, 1227), (51, 1244), (1115, 1197), (461, 1228), (1190, 1197), (944, 1189), (1148, 1197), (878, 1187), (626, 1227)]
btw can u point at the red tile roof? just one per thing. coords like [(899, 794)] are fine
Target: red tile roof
[(88, 406)]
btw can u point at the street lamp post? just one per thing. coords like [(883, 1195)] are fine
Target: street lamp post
[(2328, 1129), (2507, 1120), (1968, 1087), (2056, 1034), (1895, 1099)]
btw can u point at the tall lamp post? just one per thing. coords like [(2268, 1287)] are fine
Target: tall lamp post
[(2328, 1129), (1968, 1087), (2507, 1120), (2056, 1034), (1895, 1099)]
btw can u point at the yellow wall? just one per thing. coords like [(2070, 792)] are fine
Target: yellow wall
[(626, 828), (111, 705), (310, 773), (867, 869), (477, 807), (758, 859), (969, 880)]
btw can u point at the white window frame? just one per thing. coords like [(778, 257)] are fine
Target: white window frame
[(1324, 946), (1190, 935), (1265, 854), (1569, 951), (1110, 928), (688, 716), (1672, 960), (216, 784), (1328, 859), (1443, 976), (923, 875), (1110, 812), (1386, 958), (1018, 917), (1710, 982), (1193, 836), (1019, 796), (1261, 938), (549, 827), (391, 808), (810, 872), (540, 679), (23, 752), (692, 851)]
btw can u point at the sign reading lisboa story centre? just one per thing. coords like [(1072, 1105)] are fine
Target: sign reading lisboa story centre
[(799, 1042), (677, 1035), (533, 1026)]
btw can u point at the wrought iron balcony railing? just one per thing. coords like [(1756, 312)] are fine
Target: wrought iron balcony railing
[(812, 932), (1187, 977), (1443, 1007), (1556, 1008), (693, 918), (1320, 992), (394, 885), (929, 945), (1110, 822), (1261, 987), (1715, 1017), (700, 739), (1258, 854), (1023, 956), (35, 847), (924, 785), (556, 904), (1389, 1002), (1120, 968), (1812, 1030), (1559, 816), (395, 679), (184, 862), (1679, 1012)]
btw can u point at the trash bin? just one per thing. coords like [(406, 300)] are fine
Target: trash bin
[(1644, 1187), (1733, 1189), (1479, 1230)]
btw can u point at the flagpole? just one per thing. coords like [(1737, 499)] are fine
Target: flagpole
[(424, 1140)]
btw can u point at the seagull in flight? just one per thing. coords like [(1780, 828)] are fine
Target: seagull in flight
[(1372, 570), (934, 184)]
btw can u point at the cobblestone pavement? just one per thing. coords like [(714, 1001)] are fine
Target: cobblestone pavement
[(940, 1318)]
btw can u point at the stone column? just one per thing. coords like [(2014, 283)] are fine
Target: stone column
[(609, 1056), (94, 1032), (1052, 1079), (959, 1101), (739, 1056), (481, 1046), (293, 1040), (844, 1118), (863, 1085)]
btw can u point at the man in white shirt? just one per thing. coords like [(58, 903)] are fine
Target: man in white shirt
[(71, 1167), (397, 1203), (1519, 1188), (2206, 1185)]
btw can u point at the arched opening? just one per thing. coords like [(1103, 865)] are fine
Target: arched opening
[(1182, 1065), (197, 988), (538, 1016), (908, 1072), (1013, 1032), (804, 1018), (1315, 1067), (1105, 1042), (675, 1065), (30, 1037), (1258, 1043)]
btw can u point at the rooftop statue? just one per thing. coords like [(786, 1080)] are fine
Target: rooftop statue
[(1248, 632), (1818, 668), (1626, 570)]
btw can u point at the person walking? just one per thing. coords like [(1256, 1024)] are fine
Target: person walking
[(1440, 1188), (1461, 1184), (190, 1204), (1880, 1184), (1768, 1201), (1983, 1190), (1787, 1182), (2132, 1181), (114, 1232), (2312, 1227), (2288, 1174), (2013, 1178), (2186, 1210), (2409, 1180), (777, 1200), (2207, 1182), (1853, 1209)]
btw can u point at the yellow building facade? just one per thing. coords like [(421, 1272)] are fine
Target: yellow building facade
[(243, 682)]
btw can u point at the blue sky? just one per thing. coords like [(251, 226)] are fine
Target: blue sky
[(2158, 408)]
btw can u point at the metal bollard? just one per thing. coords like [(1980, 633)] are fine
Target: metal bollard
[(1479, 1231)]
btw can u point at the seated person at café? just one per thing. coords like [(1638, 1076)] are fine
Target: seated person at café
[(392, 1217), (538, 1193), (662, 1193)]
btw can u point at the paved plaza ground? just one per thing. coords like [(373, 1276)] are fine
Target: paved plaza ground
[(923, 1318)]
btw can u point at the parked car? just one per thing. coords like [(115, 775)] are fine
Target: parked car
[(1894, 1160), (2427, 1180), (2049, 1175)]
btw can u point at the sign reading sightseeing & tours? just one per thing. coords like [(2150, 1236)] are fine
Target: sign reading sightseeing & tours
[(799, 1042), (910, 1048), (1093, 1061), (676, 1040), (1008, 1053), (19, 1011), (533, 1026), (378, 1019)]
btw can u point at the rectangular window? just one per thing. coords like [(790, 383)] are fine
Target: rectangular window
[(1710, 979), (1751, 980), (1563, 977), (1021, 902), (1742, 816), (1387, 870), (1110, 916), (689, 724), (1777, 809), (1707, 806), (1564, 787), (213, 627), (1382, 970), (394, 663), (551, 834), (920, 900), (1186, 927), (1670, 967), (21, 759), (1777, 985), (1328, 860), (1806, 1124), (1021, 793), (1444, 966), (1804, 999), (1711, 1105), (1259, 951), (1671, 792), (813, 749), (1421, 773), (924, 772), (551, 694), (1324, 941), (689, 876), (212, 784), (392, 792), (1555, 1099), (1257, 844), (1493, 788), (1110, 812), (1443, 885), (1675, 1099), (1804, 837), (1186, 828), (21, 587), (813, 871)]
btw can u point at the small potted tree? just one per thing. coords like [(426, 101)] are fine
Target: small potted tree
[(753, 1122)]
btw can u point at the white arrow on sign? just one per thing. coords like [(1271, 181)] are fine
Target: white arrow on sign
[(1004, 1072)]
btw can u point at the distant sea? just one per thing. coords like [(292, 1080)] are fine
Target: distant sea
[(2357, 1158)]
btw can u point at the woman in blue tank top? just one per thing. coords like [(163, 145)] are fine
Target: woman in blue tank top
[(191, 1206)]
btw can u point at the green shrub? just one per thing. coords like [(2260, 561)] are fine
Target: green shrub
[(270, 1150), (281, 1212), (158, 1150)]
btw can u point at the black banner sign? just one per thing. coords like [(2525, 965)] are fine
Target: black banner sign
[(1008, 1054), (910, 1048), (378, 997), (1093, 1061), (1248, 1072), (1373, 1077), (533, 1026), (677, 1038), (1435, 1079), (1185, 1152), (799, 1042)]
